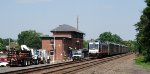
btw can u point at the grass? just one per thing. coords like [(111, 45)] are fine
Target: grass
[(139, 60)]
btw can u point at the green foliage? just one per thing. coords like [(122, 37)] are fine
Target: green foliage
[(6, 41), (1, 44), (116, 39), (85, 44), (132, 45), (140, 60), (108, 36), (1, 40), (143, 29), (30, 38), (148, 2), (147, 12)]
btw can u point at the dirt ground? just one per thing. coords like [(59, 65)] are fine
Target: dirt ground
[(123, 65)]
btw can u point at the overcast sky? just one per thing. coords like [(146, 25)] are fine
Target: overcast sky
[(95, 16)]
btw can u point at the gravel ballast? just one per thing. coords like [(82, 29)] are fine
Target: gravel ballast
[(124, 65)]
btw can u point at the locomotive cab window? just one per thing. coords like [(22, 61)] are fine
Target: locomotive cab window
[(93, 46)]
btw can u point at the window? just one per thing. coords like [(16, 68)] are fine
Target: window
[(51, 52), (93, 46)]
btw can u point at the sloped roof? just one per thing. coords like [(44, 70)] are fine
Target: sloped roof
[(65, 28)]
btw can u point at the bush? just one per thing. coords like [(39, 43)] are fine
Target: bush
[(140, 60)]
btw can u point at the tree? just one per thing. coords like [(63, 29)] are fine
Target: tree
[(30, 38), (1, 44), (117, 39), (143, 29), (85, 44), (132, 45), (6, 41), (108, 36)]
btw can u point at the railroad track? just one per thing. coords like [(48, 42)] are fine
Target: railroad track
[(72, 69), (65, 68), (37, 69)]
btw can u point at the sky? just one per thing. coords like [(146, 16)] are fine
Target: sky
[(95, 16)]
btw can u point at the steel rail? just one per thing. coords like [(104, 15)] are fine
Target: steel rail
[(78, 67), (66, 67)]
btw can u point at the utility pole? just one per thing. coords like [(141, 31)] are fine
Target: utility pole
[(77, 22), (9, 43), (78, 33)]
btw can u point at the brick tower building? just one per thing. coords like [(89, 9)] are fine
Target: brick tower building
[(65, 38)]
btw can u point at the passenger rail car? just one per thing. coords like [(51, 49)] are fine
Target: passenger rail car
[(98, 49)]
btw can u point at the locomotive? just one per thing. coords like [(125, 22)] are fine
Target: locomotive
[(99, 49)]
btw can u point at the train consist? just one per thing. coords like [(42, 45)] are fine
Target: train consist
[(98, 49)]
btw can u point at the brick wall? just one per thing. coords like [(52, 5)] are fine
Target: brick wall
[(46, 44), (58, 49)]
